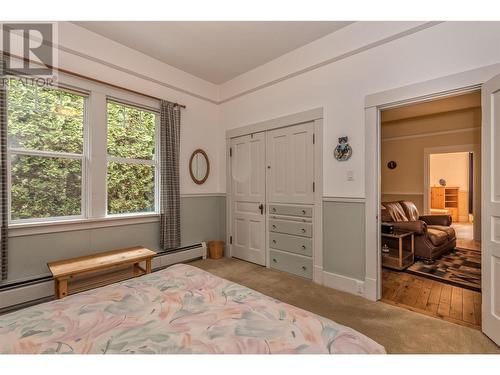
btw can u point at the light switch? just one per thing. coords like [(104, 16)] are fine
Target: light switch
[(350, 176)]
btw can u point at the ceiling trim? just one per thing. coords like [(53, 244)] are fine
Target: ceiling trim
[(138, 75), (335, 59), (264, 85)]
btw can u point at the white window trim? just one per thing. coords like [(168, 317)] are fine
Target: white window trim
[(71, 224), (94, 190)]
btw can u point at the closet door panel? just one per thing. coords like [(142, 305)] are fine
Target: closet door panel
[(248, 194), (301, 168), (290, 164), (277, 156)]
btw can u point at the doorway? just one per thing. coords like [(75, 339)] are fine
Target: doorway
[(486, 79), (431, 263), (452, 185)]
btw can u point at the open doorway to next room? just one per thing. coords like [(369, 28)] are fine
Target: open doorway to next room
[(430, 194)]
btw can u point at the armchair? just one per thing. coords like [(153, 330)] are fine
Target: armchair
[(433, 234)]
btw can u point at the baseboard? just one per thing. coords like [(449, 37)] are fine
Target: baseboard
[(37, 291), (344, 283), (318, 275), (162, 261), (23, 294), (370, 289)]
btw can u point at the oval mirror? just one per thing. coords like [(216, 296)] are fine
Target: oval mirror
[(199, 166)]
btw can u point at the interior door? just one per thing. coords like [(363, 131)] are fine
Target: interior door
[(491, 209), (290, 170), (248, 158)]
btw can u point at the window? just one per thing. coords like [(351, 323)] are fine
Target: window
[(46, 152), (132, 163)]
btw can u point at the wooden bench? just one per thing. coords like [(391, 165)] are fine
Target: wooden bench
[(92, 271)]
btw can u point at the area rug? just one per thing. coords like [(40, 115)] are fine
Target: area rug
[(460, 267)]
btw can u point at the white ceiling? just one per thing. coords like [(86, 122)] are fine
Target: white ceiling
[(214, 51)]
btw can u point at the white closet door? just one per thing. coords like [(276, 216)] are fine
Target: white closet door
[(248, 197), (490, 156), (290, 169)]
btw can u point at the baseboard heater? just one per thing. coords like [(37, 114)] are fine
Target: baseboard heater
[(20, 295)]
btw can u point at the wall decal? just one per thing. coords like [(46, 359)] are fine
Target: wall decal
[(343, 151), (392, 164)]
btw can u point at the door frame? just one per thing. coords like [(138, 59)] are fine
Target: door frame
[(415, 93), (476, 210), (314, 115)]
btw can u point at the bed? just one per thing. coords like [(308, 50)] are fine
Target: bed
[(181, 309)]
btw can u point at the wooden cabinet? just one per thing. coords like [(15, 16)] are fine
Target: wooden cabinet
[(446, 197)]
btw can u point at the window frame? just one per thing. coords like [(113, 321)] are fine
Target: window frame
[(155, 161), (95, 150), (83, 157)]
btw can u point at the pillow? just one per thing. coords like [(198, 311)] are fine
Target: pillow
[(396, 212)]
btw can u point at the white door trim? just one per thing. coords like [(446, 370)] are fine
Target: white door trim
[(313, 115), (429, 90)]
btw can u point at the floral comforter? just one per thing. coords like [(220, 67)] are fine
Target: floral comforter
[(181, 309)]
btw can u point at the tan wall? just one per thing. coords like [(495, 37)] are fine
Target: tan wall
[(404, 142), (454, 168)]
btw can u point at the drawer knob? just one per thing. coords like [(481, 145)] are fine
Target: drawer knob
[(304, 247), (303, 230), (274, 226), (274, 209), (303, 212), (274, 260), (304, 268), (274, 241)]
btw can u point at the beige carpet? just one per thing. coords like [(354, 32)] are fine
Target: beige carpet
[(397, 329)]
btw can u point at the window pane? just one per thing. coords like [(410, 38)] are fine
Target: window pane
[(131, 132), (45, 187), (131, 188), (44, 119)]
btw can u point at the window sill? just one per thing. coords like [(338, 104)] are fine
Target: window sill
[(29, 229)]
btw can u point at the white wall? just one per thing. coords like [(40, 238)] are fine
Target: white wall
[(340, 87), (87, 53)]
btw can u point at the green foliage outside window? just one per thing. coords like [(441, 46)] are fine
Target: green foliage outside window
[(51, 120), (43, 119), (131, 134)]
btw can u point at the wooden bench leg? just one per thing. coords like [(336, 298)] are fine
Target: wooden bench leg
[(148, 266), (61, 288), (137, 270)]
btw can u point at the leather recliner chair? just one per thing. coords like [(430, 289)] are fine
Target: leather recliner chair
[(433, 234)]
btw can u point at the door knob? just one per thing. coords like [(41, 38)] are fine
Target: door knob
[(261, 208)]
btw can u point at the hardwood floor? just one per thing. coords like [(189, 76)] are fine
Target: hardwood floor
[(469, 244), (458, 305)]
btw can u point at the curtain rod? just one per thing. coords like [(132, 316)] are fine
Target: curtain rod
[(93, 79)]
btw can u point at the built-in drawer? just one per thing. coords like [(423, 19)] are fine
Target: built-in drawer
[(292, 263), (290, 210), (291, 227), (293, 244)]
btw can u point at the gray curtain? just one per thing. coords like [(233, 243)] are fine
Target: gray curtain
[(170, 218), (4, 214)]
